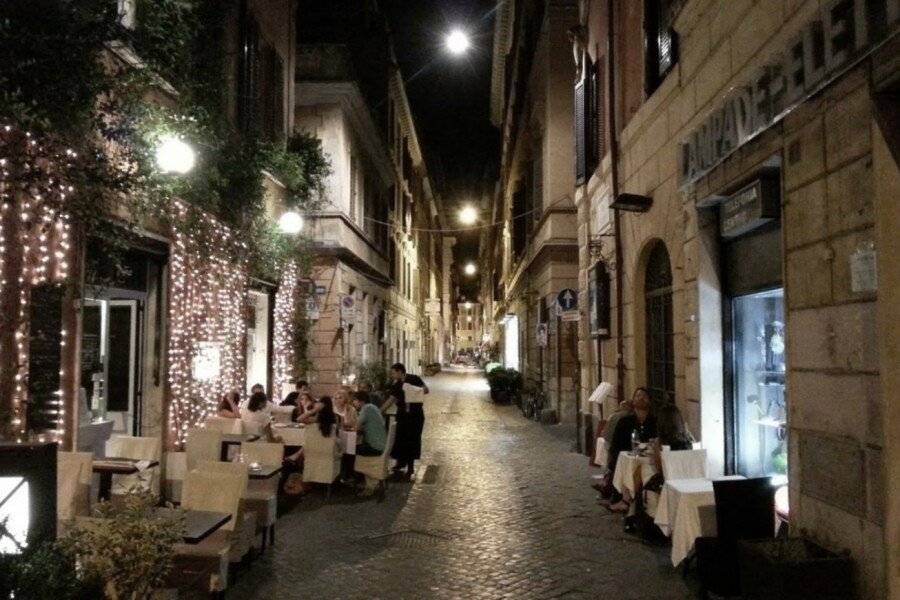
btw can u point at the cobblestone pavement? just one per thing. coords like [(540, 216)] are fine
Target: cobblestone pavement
[(501, 509)]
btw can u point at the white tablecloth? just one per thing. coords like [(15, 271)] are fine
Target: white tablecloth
[(686, 511), (627, 467), (348, 439), (601, 452)]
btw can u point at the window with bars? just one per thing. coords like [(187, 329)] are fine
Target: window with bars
[(519, 223), (537, 180), (661, 41), (660, 344)]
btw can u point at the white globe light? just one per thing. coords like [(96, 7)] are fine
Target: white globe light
[(470, 269), (457, 42), (468, 215), (290, 222), (468, 305), (174, 156)]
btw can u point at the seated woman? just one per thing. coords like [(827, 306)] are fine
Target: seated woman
[(229, 405), (311, 409), (344, 409), (323, 418), (256, 415), (641, 422), (305, 404)]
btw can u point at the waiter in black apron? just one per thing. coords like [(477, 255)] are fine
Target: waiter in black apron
[(410, 418)]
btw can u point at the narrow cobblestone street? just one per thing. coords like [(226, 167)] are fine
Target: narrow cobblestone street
[(501, 509)]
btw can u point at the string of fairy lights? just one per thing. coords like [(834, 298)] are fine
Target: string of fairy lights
[(285, 314), (35, 250), (208, 291), (208, 304)]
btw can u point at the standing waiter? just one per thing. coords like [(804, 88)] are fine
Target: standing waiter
[(407, 393)]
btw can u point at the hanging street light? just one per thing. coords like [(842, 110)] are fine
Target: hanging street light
[(470, 269), (457, 42), (174, 155), (290, 222), (468, 215)]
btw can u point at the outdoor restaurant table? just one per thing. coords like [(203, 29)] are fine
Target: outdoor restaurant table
[(235, 439), (686, 511), (264, 471), (348, 439), (628, 466), (107, 467), (291, 433), (198, 524)]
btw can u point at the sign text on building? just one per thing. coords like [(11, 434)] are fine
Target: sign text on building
[(844, 32)]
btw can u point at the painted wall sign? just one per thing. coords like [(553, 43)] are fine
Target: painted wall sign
[(748, 208), (845, 31)]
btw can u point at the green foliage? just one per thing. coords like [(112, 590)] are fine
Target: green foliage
[(130, 548), (374, 372), (45, 572)]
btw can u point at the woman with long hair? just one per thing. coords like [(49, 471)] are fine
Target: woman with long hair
[(344, 409), (229, 405)]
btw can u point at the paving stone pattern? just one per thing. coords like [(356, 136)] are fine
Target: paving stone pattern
[(501, 508)]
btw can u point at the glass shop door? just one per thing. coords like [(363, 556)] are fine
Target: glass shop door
[(758, 383)]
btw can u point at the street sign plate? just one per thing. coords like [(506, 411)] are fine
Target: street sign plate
[(571, 315), (567, 299)]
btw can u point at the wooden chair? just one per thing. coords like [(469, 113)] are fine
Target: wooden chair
[(215, 492), (74, 471), (684, 464), (745, 510), (375, 468), (202, 445), (244, 530), (262, 496), (224, 424), (136, 448), (321, 458)]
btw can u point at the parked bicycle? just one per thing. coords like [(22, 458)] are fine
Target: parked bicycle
[(533, 399)]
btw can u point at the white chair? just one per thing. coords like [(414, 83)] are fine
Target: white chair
[(74, 471), (136, 448), (262, 495), (214, 492), (375, 468), (202, 445), (175, 464), (282, 414), (224, 424), (245, 520), (321, 457), (683, 464)]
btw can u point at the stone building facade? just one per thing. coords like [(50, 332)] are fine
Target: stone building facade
[(376, 263), (734, 255), (535, 254)]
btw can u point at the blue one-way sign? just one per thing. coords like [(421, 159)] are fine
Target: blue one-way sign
[(567, 299)]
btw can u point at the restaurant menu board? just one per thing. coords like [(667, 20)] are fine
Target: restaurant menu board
[(45, 356)]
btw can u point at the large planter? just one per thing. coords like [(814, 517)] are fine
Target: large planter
[(793, 569)]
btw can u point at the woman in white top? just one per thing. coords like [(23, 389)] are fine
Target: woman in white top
[(256, 415), (344, 409)]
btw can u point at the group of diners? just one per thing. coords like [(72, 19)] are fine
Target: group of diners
[(358, 409), (636, 427)]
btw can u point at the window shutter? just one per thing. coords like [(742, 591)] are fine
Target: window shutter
[(580, 162), (593, 152)]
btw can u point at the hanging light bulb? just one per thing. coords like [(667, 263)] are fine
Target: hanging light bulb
[(290, 223), (174, 155)]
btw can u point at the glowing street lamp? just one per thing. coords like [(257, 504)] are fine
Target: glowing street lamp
[(470, 269), (290, 223), (468, 305), (468, 215), (174, 156), (457, 42)]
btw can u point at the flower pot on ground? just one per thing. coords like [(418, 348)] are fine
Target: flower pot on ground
[(793, 569), (506, 384)]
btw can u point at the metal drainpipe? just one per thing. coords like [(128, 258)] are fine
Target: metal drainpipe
[(614, 177)]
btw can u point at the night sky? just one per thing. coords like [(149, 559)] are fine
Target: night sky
[(450, 98)]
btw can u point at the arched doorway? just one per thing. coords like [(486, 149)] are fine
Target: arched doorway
[(659, 328)]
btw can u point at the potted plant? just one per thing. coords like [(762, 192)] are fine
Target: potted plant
[(505, 384), (129, 548)]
